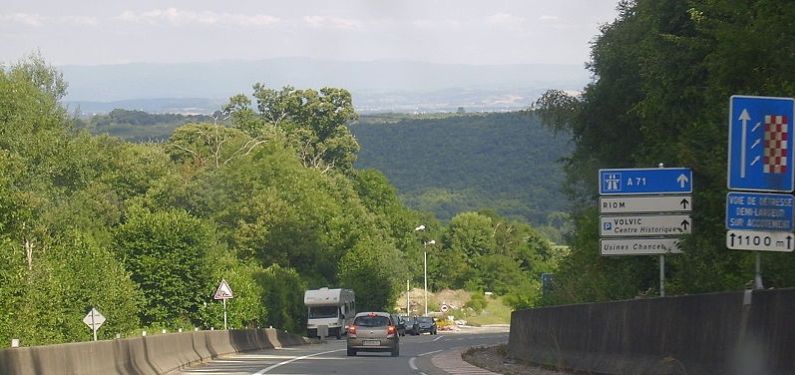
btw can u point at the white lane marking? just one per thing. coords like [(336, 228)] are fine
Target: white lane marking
[(265, 371), (433, 352), (413, 364), (438, 338)]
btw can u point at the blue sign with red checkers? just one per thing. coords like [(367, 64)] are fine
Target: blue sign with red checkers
[(760, 144)]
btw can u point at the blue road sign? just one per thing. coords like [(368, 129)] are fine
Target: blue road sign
[(760, 144), (645, 181), (760, 212)]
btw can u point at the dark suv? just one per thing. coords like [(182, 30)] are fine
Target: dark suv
[(400, 323), (412, 325), (427, 324)]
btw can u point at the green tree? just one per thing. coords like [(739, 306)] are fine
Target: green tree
[(284, 295), (369, 270), (165, 253), (314, 121)]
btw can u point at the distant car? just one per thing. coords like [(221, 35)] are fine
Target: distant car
[(427, 324), (373, 332), (412, 325), (400, 323)]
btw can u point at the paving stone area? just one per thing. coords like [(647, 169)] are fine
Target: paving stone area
[(493, 359)]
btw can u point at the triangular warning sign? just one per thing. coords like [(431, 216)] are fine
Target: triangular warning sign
[(223, 291)]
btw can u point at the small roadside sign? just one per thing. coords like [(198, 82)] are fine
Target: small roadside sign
[(760, 144), (760, 211), (760, 241), (644, 225), (94, 320), (223, 291), (645, 204), (645, 181)]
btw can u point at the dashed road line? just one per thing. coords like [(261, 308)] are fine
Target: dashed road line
[(265, 370)]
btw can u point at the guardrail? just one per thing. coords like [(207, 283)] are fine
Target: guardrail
[(722, 333), (153, 355)]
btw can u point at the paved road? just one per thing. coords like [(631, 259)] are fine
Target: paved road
[(425, 354)]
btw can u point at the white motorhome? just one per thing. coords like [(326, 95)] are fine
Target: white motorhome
[(334, 308)]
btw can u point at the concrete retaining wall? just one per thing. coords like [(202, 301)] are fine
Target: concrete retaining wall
[(723, 333), (141, 355)]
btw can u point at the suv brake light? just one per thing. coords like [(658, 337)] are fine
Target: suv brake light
[(352, 330), (391, 330)]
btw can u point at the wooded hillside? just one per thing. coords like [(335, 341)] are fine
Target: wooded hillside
[(506, 162)]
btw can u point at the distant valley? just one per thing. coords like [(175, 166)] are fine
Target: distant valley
[(376, 86)]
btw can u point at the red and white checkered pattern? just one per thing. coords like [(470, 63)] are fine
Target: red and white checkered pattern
[(776, 140)]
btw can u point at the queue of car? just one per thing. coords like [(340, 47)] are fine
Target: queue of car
[(381, 331)]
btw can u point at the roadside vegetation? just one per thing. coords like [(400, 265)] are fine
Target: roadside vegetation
[(269, 200)]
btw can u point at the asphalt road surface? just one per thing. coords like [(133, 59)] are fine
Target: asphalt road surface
[(424, 354)]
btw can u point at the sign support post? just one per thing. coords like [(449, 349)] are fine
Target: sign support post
[(223, 293), (93, 325), (224, 314), (662, 275), (758, 277)]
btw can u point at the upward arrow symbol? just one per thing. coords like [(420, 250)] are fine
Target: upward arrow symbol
[(744, 117), (682, 180)]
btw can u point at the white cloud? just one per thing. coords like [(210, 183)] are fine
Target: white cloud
[(506, 20), (80, 20), (441, 24), (23, 18), (37, 20), (176, 17), (547, 17), (332, 22)]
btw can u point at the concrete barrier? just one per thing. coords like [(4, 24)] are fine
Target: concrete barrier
[(722, 333), (141, 355)]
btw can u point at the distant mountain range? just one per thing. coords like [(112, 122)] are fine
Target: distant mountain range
[(377, 86)]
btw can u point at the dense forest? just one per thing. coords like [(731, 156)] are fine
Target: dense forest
[(506, 162), (269, 200), (664, 72), (440, 162)]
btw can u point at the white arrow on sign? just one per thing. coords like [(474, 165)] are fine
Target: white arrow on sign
[(744, 117), (682, 180)]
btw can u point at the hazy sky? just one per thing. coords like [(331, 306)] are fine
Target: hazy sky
[(451, 31)]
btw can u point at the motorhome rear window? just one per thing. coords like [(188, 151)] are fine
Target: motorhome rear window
[(322, 312), (371, 321)]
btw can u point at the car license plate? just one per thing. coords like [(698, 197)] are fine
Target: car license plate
[(371, 342)]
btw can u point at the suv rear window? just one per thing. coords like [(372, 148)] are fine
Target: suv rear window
[(371, 321)]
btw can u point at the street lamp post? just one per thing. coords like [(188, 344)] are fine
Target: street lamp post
[(425, 256), (425, 264)]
